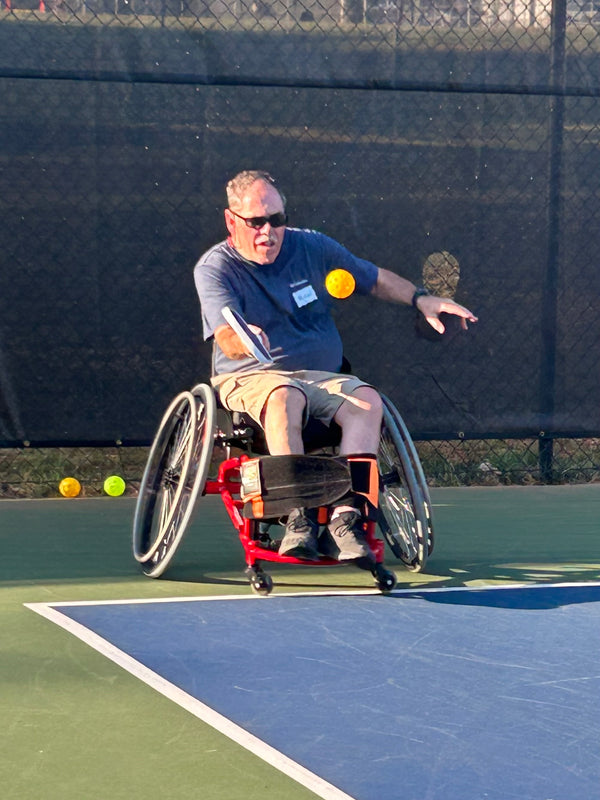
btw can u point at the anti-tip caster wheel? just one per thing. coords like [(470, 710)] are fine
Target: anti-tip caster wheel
[(260, 582), (385, 579)]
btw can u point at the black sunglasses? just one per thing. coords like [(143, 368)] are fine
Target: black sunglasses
[(277, 220)]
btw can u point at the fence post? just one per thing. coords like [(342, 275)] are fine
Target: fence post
[(549, 315)]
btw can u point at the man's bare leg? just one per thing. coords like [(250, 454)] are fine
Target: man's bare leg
[(361, 425), (282, 421)]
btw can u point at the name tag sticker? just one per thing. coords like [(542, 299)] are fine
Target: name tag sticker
[(304, 296)]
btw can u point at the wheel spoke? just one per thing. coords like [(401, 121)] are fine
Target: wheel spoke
[(164, 508), (184, 433)]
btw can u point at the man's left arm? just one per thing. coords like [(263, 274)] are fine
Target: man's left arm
[(395, 289)]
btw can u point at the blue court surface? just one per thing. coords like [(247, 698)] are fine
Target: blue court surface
[(435, 694)]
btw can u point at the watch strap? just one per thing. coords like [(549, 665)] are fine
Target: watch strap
[(420, 291)]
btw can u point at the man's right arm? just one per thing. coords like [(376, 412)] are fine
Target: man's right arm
[(216, 289)]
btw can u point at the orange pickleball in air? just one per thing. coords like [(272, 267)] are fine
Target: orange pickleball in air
[(340, 283)]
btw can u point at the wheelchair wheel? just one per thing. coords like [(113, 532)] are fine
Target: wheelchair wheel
[(175, 474), (417, 469), (403, 517)]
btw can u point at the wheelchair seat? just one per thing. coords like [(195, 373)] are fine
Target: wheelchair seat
[(315, 435)]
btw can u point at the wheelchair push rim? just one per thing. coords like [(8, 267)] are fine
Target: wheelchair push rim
[(175, 474), (417, 469), (403, 518)]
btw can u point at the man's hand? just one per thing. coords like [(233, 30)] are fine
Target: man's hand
[(431, 307), (231, 344), (395, 289), (261, 335)]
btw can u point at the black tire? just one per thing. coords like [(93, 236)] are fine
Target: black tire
[(385, 579), (174, 476), (403, 517), (260, 582), (417, 469)]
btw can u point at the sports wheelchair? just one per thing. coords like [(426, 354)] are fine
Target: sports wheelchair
[(195, 434)]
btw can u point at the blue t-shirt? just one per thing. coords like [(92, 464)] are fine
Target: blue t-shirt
[(287, 299)]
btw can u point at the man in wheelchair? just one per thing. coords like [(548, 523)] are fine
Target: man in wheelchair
[(274, 277)]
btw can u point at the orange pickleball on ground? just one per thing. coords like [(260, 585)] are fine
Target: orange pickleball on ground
[(69, 487)]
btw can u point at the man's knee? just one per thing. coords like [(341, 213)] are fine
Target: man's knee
[(288, 401), (371, 396), (364, 403)]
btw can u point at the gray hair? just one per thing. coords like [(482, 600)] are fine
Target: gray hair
[(238, 186)]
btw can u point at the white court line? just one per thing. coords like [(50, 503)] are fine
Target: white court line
[(324, 593), (199, 599), (274, 757)]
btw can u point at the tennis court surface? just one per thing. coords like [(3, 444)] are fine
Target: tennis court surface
[(477, 680)]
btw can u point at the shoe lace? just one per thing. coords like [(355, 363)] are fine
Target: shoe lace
[(300, 523), (349, 522)]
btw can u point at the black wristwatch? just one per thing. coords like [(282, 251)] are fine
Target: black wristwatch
[(420, 291)]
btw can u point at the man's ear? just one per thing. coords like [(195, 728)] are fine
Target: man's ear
[(229, 221)]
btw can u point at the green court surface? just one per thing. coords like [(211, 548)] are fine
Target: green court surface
[(78, 727)]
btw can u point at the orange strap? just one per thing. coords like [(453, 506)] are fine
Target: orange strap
[(365, 481)]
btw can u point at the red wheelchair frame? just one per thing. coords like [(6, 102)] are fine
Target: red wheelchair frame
[(259, 547), (176, 475)]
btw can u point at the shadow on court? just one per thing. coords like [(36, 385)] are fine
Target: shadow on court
[(495, 535), (499, 535), (537, 597)]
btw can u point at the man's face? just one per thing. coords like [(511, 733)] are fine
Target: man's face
[(263, 244)]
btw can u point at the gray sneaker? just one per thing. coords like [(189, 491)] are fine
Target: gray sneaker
[(300, 538), (348, 534)]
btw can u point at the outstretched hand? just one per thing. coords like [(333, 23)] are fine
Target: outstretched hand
[(431, 307), (395, 289)]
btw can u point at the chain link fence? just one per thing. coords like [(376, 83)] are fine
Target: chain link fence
[(467, 19), (455, 142), (36, 472)]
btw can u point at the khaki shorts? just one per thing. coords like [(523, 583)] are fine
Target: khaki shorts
[(249, 391)]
